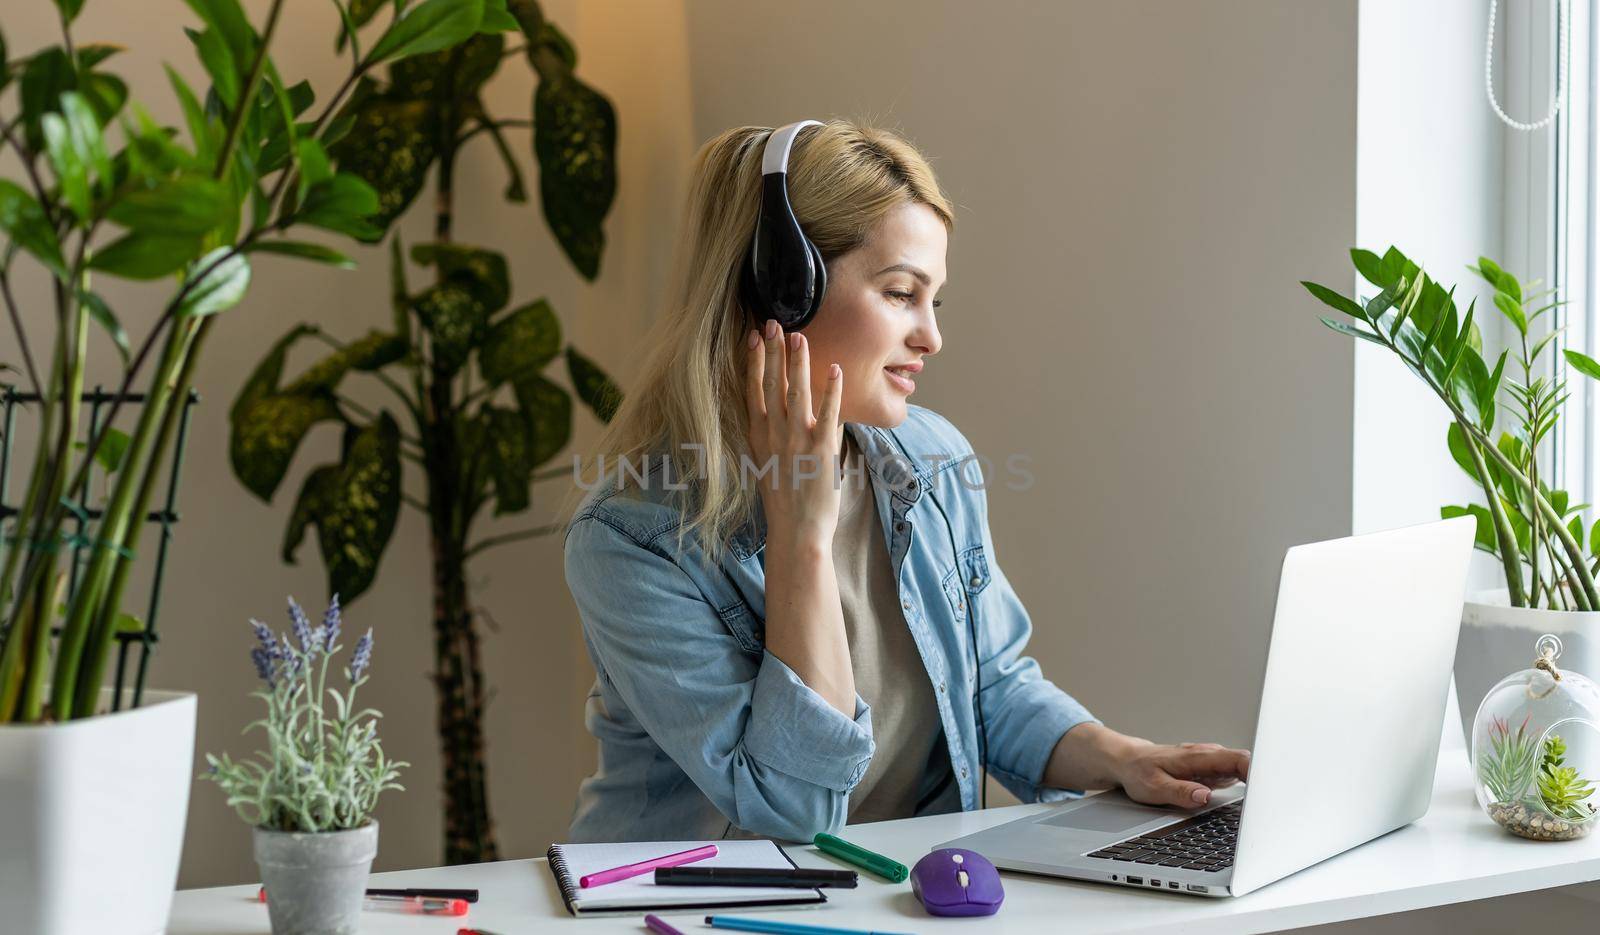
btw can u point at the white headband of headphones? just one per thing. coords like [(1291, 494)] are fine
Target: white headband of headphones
[(775, 158)]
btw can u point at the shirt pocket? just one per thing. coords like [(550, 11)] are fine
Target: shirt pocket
[(963, 583), (749, 632)]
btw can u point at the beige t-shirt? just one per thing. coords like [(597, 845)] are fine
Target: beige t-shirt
[(910, 772)]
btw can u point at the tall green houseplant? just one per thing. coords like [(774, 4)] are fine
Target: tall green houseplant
[(472, 407), (1536, 532), (106, 192)]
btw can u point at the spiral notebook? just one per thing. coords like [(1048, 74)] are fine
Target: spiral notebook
[(569, 862)]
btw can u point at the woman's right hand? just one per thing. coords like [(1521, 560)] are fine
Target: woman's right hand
[(798, 451)]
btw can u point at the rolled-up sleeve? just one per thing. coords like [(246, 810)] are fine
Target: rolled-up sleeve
[(769, 752), (1024, 712)]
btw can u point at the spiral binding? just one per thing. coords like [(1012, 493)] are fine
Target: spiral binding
[(558, 864)]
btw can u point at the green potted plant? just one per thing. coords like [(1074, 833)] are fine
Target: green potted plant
[(309, 797), (102, 191), (474, 408), (1503, 409)]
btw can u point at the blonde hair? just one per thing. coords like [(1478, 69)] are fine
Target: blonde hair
[(843, 179)]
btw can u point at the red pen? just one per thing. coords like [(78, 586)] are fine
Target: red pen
[(419, 905), (645, 866)]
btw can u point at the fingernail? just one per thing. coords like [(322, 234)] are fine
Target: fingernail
[(771, 328), (755, 338), (794, 340), (833, 371), (1200, 796)]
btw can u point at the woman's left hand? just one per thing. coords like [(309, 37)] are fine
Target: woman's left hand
[(1093, 756)]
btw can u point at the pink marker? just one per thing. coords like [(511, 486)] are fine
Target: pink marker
[(645, 866)]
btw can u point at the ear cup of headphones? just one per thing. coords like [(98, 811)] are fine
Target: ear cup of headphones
[(784, 277)]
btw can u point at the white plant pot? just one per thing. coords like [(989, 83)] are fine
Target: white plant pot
[(91, 818), (1497, 640)]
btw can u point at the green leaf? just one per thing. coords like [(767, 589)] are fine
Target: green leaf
[(520, 343), (267, 431), (182, 204), (342, 204), (227, 19), (1345, 329), (1368, 265), (1513, 311), (354, 506), (575, 142), (314, 167), (1485, 537), (5, 65), (371, 352), (128, 623), (72, 173), (223, 282), (1583, 363), (391, 146), (1594, 539), (225, 72), (263, 381), (194, 116), (140, 255), (1335, 301), (47, 74), (305, 251), (455, 318), (24, 223), (1392, 267), (113, 450), (597, 390), (103, 316), (548, 411), (427, 27), (507, 440), (484, 271)]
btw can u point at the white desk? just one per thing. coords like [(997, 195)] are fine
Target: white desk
[(1454, 854)]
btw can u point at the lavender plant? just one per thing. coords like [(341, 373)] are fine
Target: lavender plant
[(324, 768)]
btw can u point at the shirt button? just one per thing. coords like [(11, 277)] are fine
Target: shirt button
[(963, 772), (906, 604), (941, 688), (976, 581)]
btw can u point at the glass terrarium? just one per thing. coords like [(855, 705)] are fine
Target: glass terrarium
[(1536, 750)]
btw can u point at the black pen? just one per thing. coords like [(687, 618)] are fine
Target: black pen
[(470, 896), (754, 876)]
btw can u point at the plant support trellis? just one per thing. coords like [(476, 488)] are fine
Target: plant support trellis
[(144, 634)]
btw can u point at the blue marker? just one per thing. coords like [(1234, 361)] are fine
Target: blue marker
[(783, 928)]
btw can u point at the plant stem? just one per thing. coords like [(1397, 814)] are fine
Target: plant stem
[(492, 541), (1510, 556), (247, 97), (22, 335)]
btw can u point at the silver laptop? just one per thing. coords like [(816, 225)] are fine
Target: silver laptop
[(1346, 744)]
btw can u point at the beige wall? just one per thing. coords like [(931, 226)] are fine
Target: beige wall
[(1140, 185)]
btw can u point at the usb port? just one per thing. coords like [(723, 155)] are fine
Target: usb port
[(1136, 881), (1172, 884), (1155, 882), (1197, 888)]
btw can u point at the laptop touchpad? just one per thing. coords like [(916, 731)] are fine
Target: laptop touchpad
[(1108, 816)]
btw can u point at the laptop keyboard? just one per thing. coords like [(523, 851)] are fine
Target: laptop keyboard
[(1204, 842)]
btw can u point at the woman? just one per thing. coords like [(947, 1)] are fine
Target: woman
[(782, 564)]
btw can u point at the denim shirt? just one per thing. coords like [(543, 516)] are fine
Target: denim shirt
[(704, 734)]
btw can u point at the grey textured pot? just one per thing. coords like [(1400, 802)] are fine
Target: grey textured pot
[(315, 882), (1498, 639)]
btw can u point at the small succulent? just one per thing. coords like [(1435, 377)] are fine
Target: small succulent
[(1561, 790), (1513, 760), (324, 768)]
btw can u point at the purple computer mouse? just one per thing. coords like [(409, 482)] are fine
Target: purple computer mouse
[(953, 881)]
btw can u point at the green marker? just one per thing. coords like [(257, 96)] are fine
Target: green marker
[(891, 870)]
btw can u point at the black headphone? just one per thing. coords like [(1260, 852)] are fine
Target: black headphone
[(784, 277)]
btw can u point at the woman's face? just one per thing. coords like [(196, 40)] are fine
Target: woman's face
[(878, 316)]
